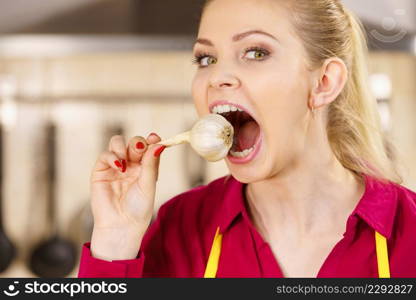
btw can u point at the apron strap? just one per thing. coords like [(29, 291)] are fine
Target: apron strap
[(382, 256), (381, 251), (214, 256)]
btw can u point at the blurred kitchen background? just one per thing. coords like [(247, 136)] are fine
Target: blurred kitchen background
[(73, 73)]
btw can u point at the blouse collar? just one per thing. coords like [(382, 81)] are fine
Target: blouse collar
[(377, 206)]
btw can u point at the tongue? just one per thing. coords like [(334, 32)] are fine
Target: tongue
[(247, 134)]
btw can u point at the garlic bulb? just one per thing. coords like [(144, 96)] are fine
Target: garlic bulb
[(211, 137)]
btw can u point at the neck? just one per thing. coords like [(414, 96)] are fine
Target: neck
[(309, 198)]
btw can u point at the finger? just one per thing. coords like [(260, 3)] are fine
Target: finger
[(150, 165), (108, 159), (153, 138), (136, 148), (118, 146)]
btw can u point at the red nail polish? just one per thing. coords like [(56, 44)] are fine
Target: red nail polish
[(124, 163), (118, 164), (159, 151), (153, 134), (140, 145)]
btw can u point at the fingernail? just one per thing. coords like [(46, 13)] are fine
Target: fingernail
[(159, 151), (140, 145), (124, 163), (118, 164)]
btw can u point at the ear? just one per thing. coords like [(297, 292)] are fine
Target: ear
[(331, 80)]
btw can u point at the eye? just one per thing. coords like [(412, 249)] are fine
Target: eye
[(203, 60), (257, 53)]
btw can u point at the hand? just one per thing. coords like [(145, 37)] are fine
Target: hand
[(123, 185)]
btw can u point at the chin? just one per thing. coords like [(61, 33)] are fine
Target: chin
[(246, 174)]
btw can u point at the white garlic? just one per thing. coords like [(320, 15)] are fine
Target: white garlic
[(211, 137)]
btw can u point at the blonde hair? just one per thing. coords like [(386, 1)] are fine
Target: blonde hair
[(328, 29)]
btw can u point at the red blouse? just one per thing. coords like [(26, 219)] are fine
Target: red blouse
[(178, 242)]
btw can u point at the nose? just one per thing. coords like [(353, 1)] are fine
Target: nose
[(224, 80)]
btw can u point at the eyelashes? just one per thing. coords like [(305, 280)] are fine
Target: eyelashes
[(197, 59)]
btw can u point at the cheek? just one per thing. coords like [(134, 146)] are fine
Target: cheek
[(199, 94), (281, 99)]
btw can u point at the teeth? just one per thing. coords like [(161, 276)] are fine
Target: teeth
[(242, 153), (220, 109)]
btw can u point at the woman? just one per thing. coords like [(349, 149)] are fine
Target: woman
[(316, 194)]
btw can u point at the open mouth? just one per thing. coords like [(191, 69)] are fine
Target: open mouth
[(246, 129)]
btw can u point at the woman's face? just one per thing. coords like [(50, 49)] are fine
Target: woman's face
[(265, 74)]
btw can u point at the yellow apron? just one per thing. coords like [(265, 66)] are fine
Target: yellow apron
[(381, 250)]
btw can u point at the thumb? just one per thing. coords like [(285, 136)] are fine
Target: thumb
[(150, 167)]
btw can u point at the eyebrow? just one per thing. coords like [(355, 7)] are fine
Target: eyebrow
[(237, 37)]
